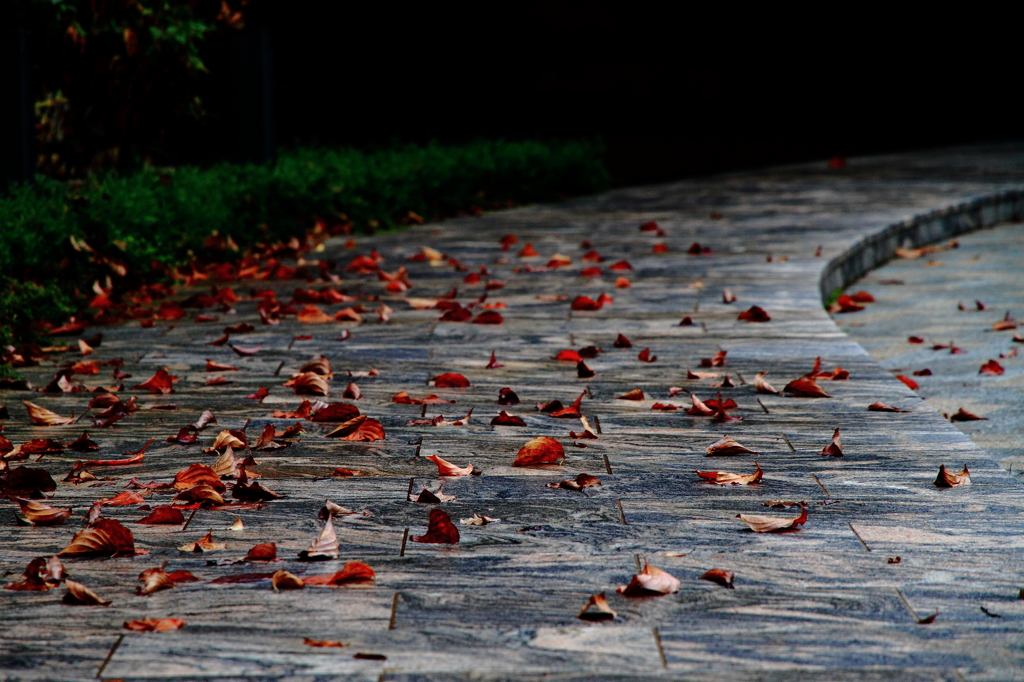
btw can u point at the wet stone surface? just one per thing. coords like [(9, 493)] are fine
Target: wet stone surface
[(827, 601)]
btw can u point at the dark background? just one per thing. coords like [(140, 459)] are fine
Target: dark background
[(671, 92)]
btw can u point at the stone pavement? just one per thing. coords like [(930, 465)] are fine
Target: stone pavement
[(849, 595), (935, 298)]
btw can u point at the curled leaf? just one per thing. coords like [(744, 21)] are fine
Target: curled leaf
[(879, 406), (41, 514), (579, 483), (285, 580), (773, 524), (506, 419), (478, 520), (80, 595), (754, 314), (596, 609), (806, 388), (44, 417), (726, 478), (203, 544), (727, 445), (948, 479), (963, 415), (446, 468), (835, 448), (440, 529), (650, 582), (540, 450), (635, 394), (360, 429), (719, 577), (106, 538), (762, 385), (325, 547), (161, 382), (154, 624)]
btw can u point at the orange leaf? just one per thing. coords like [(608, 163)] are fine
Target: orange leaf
[(720, 577), (635, 394), (446, 468), (948, 479), (597, 609), (161, 382), (44, 417), (80, 595), (351, 572), (154, 624), (106, 538), (835, 448), (41, 514), (360, 428), (540, 450), (285, 580), (805, 388)]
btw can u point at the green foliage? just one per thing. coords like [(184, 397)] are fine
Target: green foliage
[(119, 80), (23, 303), (165, 214), (834, 296)]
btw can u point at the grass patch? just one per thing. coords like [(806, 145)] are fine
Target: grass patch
[(134, 225)]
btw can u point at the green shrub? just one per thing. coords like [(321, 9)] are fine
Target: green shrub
[(165, 215)]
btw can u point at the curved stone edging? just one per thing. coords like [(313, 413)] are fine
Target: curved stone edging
[(927, 228)]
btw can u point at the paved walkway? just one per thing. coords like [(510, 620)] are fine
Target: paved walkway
[(850, 595), (935, 298)]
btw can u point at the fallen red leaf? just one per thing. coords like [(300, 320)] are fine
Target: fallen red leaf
[(806, 388), (645, 356), (106, 538), (44, 417), (597, 609), (949, 479), (451, 380), (507, 396), (754, 314), (911, 384), (154, 624), (915, 339), (719, 577), (833, 449), (963, 415), (506, 419), (585, 303), (568, 355), (360, 429), (991, 368), (540, 450), (265, 551), (161, 382), (440, 529), (163, 514), (879, 406)]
